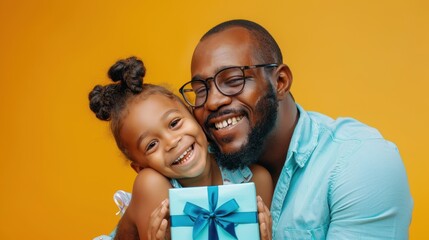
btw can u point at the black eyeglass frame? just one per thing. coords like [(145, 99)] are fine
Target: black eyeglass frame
[(207, 87)]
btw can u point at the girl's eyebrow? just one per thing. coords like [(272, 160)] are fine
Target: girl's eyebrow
[(163, 117), (166, 114)]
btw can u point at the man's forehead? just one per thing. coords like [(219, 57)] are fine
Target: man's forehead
[(228, 48), (232, 36), (231, 30)]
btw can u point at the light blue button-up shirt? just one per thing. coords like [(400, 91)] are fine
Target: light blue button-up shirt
[(341, 180)]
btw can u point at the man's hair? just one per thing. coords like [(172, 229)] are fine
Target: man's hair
[(268, 51)]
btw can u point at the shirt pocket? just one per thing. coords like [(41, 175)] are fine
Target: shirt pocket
[(303, 234)]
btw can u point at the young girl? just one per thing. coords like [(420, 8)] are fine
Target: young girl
[(166, 147)]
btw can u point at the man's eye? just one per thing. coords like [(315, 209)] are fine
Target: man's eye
[(175, 122), (234, 81), (200, 92)]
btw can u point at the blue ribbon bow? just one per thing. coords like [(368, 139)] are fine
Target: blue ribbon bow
[(223, 216)]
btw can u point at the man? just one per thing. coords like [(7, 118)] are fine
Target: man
[(335, 179)]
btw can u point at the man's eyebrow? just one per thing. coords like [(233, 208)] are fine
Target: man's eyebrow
[(199, 77), (163, 117)]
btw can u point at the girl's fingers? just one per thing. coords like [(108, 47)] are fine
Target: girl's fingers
[(264, 234), (160, 234), (265, 220), (156, 224)]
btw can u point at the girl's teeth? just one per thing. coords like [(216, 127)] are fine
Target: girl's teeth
[(180, 160)]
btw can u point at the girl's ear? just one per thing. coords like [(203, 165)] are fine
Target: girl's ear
[(136, 167)]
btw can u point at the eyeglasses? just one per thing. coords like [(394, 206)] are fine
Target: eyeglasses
[(229, 81)]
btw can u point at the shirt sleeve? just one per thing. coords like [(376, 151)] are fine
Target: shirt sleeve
[(369, 195)]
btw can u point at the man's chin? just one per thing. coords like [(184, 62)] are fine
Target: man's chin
[(231, 139), (231, 147), (245, 146), (231, 156)]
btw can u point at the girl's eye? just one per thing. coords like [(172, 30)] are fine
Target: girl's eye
[(175, 122), (151, 145)]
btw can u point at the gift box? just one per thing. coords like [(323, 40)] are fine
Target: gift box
[(214, 212)]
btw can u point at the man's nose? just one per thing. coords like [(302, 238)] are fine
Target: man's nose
[(215, 99)]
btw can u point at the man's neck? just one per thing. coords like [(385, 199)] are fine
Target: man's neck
[(277, 144)]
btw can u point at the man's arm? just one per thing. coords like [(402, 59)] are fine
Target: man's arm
[(369, 195)]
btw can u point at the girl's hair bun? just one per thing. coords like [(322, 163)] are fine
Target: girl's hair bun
[(102, 100), (129, 72)]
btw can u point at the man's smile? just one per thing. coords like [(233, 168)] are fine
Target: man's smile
[(228, 122)]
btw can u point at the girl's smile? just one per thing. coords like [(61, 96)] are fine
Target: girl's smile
[(160, 133)]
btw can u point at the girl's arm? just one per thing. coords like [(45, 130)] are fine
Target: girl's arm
[(264, 189), (263, 182), (149, 190)]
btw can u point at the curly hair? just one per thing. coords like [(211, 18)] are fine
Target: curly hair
[(109, 102)]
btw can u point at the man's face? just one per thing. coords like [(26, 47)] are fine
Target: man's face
[(229, 121)]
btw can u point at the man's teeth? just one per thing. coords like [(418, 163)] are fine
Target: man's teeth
[(228, 122), (184, 157)]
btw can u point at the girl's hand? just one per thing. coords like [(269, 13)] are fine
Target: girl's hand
[(158, 228), (265, 220)]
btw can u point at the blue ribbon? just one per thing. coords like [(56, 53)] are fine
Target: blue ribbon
[(224, 216)]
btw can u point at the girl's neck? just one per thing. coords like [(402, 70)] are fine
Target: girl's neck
[(210, 176)]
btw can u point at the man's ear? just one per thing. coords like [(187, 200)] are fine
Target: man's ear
[(136, 167), (283, 81)]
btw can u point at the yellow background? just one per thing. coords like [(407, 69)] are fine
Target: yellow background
[(59, 166)]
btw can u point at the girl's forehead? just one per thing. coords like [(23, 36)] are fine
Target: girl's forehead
[(148, 114), (153, 109), (157, 99)]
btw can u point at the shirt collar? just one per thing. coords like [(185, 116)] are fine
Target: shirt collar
[(304, 139)]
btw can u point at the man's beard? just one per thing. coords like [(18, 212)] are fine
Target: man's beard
[(249, 153)]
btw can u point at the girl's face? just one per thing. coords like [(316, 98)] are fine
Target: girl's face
[(160, 133)]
